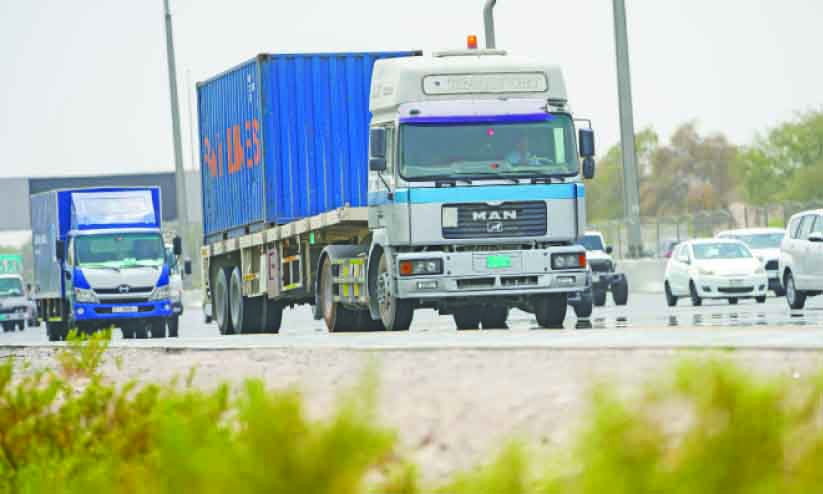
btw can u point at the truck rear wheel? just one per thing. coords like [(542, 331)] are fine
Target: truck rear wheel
[(620, 292), (246, 312), (583, 308), (494, 317), (338, 318), (221, 301), (467, 318), (8, 327), (395, 313), (56, 331), (550, 310), (273, 316), (599, 297)]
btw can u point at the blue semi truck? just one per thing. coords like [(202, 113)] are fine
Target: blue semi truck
[(100, 261)]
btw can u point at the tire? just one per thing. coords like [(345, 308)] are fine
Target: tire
[(495, 317), (696, 300), (173, 325), (550, 310), (467, 318), (583, 309), (760, 300), (220, 301), (733, 301), (55, 331), (338, 319), (21, 325), (8, 327), (158, 328), (272, 316), (780, 292), (671, 300), (128, 332), (141, 332), (364, 322), (599, 297), (796, 298), (395, 313), (620, 292)]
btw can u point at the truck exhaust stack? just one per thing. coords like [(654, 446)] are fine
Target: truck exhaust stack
[(488, 20)]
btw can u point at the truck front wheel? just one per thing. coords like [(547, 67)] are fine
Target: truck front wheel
[(495, 317), (599, 296), (550, 310), (467, 318), (620, 292), (173, 324), (395, 313)]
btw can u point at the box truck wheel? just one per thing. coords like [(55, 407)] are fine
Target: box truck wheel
[(338, 318), (273, 317), (158, 328), (8, 327), (620, 292), (56, 331), (494, 317), (396, 313), (173, 324), (221, 301), (467, 318), (246, 312), (550, 309)]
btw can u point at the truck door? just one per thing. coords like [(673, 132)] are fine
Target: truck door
[(379, 194)]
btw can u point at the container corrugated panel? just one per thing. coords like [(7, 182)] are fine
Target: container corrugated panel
[(308, 116)]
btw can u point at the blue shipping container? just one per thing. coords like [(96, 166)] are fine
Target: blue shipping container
[(284, 137)]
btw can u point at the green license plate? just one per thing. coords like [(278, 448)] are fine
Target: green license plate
[(498, 262), (3, 317)]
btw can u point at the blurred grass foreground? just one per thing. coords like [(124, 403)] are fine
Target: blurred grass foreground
[(707, 427)]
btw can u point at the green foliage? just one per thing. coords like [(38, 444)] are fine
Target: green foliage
[(83, 354), (708, 428)]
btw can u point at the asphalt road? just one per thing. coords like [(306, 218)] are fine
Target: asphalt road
[(645, 322)]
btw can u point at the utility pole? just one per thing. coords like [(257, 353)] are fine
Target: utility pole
[(180, 173), (631, 185)]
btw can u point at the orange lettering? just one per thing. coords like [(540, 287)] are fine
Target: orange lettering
[(249, 162), (254, 136), (209, 157)]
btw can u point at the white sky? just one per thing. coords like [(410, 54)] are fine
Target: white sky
[(84, 86)]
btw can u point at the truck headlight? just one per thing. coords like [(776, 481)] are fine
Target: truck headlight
[(419, 267), (161, 293), (569, 261), (85, 296)]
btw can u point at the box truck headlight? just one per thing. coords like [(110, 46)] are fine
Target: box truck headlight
[(85, 296), (568, 261), (420, 267), (161, 293)]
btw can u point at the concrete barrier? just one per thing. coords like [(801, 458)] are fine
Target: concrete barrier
[(644, 275)]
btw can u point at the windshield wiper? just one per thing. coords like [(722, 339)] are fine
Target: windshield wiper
[(99, 266), (440, 180), (496, 176)]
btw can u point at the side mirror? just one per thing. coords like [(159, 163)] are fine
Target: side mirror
[(377, 164), (377, 142), (816, 237), (177, 245), (609, 249), (68, 275), (60, 250), (586, 138), (187, 267), (588, 168)]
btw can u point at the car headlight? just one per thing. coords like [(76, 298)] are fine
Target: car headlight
[(569, 261), (85, 296), (705, 271), (161, 293), (419, 267)]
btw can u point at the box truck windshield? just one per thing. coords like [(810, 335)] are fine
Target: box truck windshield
[(121, 250), (10, 287), (503, 146)]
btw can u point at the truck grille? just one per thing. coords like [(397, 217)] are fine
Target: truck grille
[(510, 219), (116, 291), (601, 266)]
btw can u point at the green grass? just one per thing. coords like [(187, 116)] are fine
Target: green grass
[(708, 427)]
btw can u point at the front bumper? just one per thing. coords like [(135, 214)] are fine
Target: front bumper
[(119, 312), (732, 287), (466, 274)]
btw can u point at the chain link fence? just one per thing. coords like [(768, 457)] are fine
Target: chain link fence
[(660, 234)]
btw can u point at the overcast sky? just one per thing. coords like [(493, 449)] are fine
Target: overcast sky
[(84, 85)]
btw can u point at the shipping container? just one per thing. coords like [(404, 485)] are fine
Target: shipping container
[(284, 137)]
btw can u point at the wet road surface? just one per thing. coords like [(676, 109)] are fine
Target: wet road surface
[(646, 322)]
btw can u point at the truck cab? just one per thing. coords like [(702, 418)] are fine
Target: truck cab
[(475, 199)]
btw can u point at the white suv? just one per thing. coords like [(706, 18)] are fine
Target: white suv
[(801, 258)]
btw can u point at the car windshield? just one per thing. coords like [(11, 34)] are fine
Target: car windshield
[(11, 287), (591, 242), (761, 240), (726, 250), (431, 151), (121, 250)]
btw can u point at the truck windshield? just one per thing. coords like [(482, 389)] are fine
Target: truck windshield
[(591, 242), (543, 148), (120, 250), (11, 287)]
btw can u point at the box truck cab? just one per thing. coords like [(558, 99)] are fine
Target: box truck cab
[(100, 261)]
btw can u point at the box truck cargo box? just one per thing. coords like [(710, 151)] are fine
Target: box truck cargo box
[(284, 137)]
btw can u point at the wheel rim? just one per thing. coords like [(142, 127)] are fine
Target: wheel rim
[(236, 301), (384, 290), (326, 291), (220, 302), (790, 291)]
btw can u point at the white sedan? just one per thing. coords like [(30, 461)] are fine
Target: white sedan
[(714, 269)]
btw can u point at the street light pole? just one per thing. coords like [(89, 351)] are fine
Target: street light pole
[(631, 186), (180, 174)]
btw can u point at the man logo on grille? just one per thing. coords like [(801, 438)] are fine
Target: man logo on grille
[(494, 215), (495, 227)]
